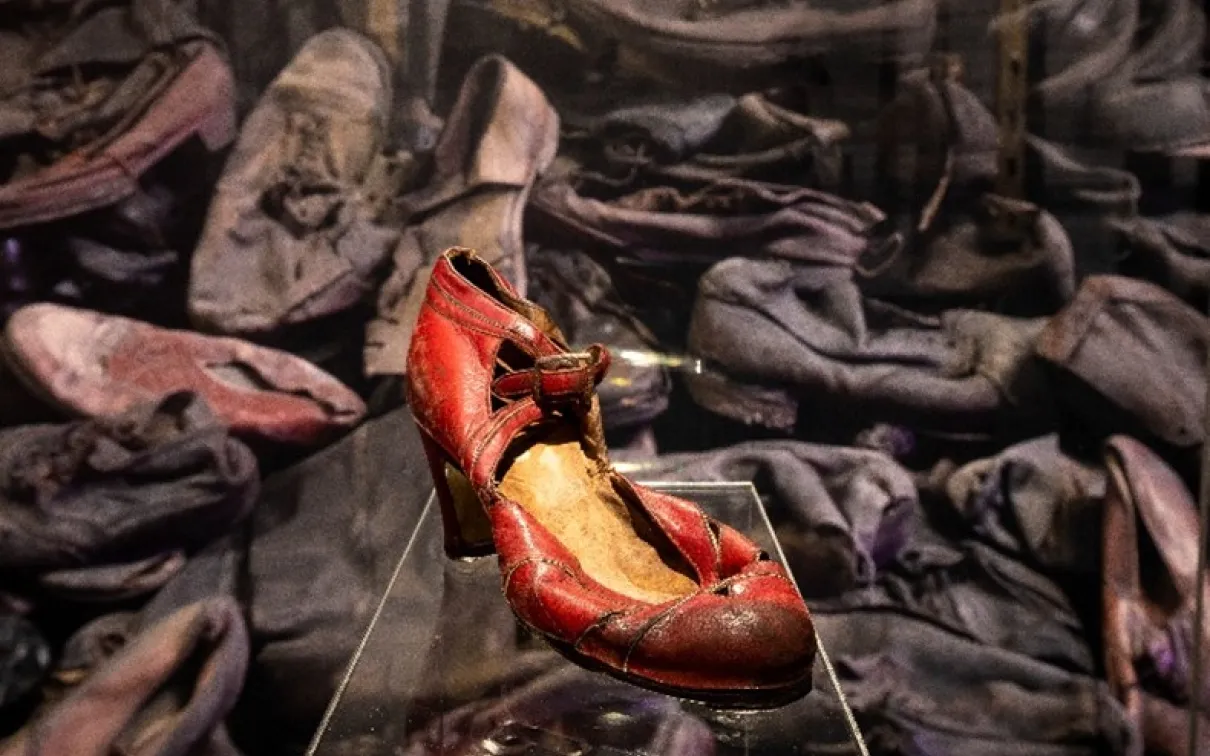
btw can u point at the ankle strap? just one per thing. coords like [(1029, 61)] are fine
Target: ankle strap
[(557, 379)]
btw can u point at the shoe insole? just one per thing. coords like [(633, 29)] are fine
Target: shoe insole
[(239, 376), (556, 483)]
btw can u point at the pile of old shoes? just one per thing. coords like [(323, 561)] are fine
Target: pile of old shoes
[(787, 221), (106, 509), (114, 118)]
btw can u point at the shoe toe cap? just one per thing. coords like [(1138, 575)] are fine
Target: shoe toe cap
[(747, 638), (49, 337)]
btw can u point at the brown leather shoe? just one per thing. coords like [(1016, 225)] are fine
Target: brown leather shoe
[(500, 135), (198, 101), (101, 365), (1149, 587)]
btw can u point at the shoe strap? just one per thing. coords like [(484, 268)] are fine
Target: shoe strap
[(557, 379)]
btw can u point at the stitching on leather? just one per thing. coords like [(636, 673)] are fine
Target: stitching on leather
[(651, 626), (605, 618), (532, 347), (714, 543), (538, 560), (496, 329), (508, 333), (759, 576), (463, 326), (492, 429), (502, 417)]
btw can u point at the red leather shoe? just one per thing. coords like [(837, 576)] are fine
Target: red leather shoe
[(637, 584)]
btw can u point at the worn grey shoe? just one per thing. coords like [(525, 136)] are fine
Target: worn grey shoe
[(291, 233), (773, 335), (1126, 74), (108, 506), (501, 134), (747, 33), (704, 139), (712, 220), (1172, 251), (1129, 358)]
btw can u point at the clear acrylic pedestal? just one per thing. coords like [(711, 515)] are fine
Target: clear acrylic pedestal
[(444, 668)]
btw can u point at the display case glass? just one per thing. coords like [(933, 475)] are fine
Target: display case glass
[(445, 668)]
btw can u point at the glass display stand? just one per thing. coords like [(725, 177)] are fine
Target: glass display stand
[(444, 668)]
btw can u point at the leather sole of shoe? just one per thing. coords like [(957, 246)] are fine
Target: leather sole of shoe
[(732, 700)]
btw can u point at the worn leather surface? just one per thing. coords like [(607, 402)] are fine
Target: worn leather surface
[(1149, 585), (97, 365), (777, 337), (1172, 251), (292, 234), (501, 133), (752, 33), (1095, 344), (165, 694), (1035, 502), (98, 509), (198, 101), (716, 218), (678, 141), (744, 630)]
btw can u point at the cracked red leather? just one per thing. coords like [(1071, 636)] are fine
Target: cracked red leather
[(741, 635), (1149, 586), (100, 365)]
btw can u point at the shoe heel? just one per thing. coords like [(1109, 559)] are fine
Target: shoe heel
[(468, 532)]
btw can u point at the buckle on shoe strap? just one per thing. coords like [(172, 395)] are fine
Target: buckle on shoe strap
[(558, 379)]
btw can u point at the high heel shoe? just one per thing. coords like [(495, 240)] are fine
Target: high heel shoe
[(621, 579)]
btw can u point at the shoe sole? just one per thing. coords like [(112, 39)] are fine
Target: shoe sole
[(751, 700)]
